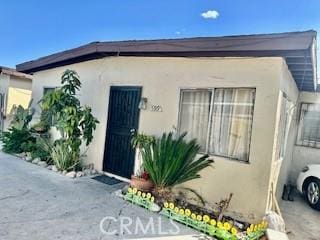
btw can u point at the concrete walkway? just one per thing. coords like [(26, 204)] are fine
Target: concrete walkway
[(39, 204), (302, 222)]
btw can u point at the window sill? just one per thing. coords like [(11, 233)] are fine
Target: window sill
[(226, 158), (306, 146)]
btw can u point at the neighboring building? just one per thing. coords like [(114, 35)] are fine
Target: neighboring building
[(306, 132), (239, 96), (15, 89)]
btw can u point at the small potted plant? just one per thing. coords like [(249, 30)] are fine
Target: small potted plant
[(141, 181)]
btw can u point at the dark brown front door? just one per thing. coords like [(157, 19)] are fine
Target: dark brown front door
[(123, 119)]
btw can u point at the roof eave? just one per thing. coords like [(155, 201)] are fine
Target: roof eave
[(13, 72), (298, 48)]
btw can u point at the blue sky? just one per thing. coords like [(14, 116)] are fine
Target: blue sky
[(35, 28)]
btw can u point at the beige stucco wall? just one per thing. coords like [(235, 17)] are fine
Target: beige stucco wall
[(303, 155), (289, 88), (162, 79)]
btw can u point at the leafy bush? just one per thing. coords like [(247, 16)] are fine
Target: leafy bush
[(41, 148), (19, 137), (17, 140), (171, 161), (21, 116), (29, 146), (43, 155)]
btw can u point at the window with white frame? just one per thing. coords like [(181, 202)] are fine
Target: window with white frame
[(284, 124), (309, 125), (220, 119)]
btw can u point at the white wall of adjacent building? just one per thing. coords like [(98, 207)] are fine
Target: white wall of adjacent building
[(304, 155), (16, 91)]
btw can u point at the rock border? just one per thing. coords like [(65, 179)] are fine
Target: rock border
[(72, 174)]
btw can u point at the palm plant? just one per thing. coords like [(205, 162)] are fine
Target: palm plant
[(171, 161)]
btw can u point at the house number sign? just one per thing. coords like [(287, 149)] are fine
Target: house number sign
[(156, 108)]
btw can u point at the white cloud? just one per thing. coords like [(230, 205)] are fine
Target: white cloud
[(210, 14), (178, 32)]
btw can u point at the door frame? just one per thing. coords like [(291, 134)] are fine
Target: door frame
[(111, 87)]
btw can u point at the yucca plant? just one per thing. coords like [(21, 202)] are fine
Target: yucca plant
[(44, 149), (171, 161), (63, 156)]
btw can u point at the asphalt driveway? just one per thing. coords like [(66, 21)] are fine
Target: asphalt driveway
[(302, 222), (36, 203)]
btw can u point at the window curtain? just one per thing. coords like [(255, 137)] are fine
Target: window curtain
[(194, 115), (231, 123)]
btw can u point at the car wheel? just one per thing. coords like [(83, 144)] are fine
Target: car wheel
[(313, 193)]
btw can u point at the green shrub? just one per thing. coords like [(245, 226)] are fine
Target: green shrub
[(29, 146), (171, 161), (17, 140), (21, 116), (38, 153), (39, 149)]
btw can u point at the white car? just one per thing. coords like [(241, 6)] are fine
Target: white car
[(308, 183)]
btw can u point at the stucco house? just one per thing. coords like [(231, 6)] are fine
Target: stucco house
[(240, 96), (15, 89)]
